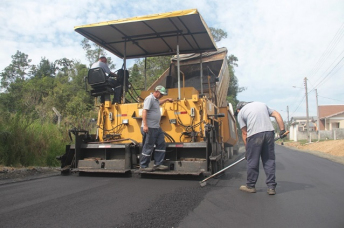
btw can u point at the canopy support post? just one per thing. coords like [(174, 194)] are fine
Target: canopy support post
[(145, 73), (201, 67), (178, 67), (125, 68)]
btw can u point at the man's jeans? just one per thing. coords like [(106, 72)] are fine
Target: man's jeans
[(261, 145)]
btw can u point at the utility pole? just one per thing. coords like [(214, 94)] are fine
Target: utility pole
[(58, 116), (318, 126), (288, 116), (307, 126)]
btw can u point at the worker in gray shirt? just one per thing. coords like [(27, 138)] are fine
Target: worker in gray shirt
[(152, 132), (258, 136), (102, 63)]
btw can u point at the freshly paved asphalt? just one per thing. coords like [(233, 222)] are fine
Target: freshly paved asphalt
[(309, 194)]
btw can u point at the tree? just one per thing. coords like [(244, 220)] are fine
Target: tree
[(136, 79), (26, 93), (218, 34), (43, 69), (232, 60), (234, 88), (17, 70), (155, 66), (69, 95), (64, 65), (11, 100), (94, 51)]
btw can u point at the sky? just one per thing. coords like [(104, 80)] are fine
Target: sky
[(278, 43)]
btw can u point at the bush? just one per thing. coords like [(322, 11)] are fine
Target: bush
[(27, 142)]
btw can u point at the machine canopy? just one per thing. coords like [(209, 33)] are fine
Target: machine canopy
[(152, 35)]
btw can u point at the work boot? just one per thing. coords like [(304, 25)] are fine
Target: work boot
[(146, 169), (271, 191), (246, 188), (160, 167)]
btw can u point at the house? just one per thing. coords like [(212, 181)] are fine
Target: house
[(331, 124), (331, 117), (301, 122), (298, 127)]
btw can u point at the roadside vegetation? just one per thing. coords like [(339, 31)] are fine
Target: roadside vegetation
[(30, 131), (30, 142)]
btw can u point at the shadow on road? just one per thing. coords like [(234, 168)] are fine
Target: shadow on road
[(143, 175)]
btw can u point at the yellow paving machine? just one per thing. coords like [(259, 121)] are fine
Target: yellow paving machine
[(199, 126)]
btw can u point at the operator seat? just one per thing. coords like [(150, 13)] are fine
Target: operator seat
[(97, 79)]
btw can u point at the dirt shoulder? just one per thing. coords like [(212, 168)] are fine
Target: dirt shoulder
[(12, 174), (330, 149)]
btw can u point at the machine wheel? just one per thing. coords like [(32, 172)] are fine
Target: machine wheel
[(236, 149), (213, 147), (213, 167), (229, 152), (65, 172)]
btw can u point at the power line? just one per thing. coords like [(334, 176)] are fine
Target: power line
[(329, 68), (302, 99), (329, 49), (330, 98), (329, 73), (304, 96), (311, 84)]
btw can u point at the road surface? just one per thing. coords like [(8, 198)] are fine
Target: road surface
[(310, 193)]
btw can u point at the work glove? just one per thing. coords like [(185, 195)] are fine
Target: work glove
[(282, 134)]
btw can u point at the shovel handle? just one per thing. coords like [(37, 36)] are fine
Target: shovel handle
[(240, 160)]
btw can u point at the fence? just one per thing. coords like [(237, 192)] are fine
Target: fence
[(334, 134)]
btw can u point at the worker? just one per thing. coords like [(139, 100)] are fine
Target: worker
[(102, 63), (258, 136), (152, 132)]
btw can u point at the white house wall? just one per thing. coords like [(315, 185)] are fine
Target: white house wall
[(329, 122)]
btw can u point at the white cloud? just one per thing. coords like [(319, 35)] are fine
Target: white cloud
[(278, 43)]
